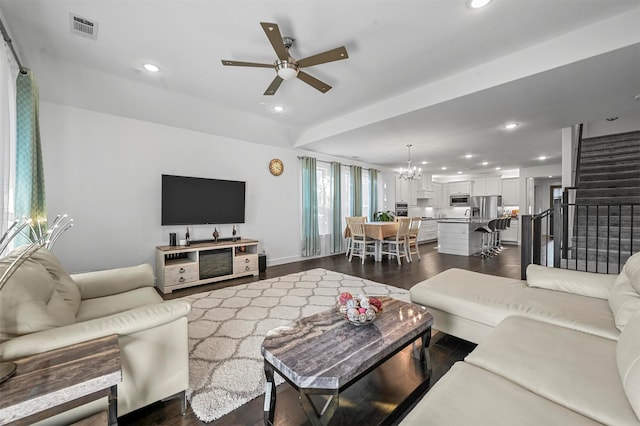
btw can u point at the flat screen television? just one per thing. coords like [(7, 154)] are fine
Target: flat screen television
[(199, 201)]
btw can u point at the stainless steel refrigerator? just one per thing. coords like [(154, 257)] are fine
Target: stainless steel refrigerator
[(486, 207)]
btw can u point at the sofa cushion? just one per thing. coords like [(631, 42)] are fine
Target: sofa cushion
[(108, 305), (575, 282), (624, 300), (468, 395), (29, 301), (628, 359), (632, 270), (62, 282), (488, 299), (573, 369)]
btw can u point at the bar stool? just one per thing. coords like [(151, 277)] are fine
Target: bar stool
[(485, 231)]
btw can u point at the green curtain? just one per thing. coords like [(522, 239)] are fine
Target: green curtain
[(356, 190), (373, 193), (29, 180), (336, 208), (310, 231)]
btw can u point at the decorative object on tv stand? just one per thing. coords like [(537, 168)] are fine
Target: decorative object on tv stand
[(233, 233), (359, 310), (187, 240), (215, 234), (412, 172), (37, 236)]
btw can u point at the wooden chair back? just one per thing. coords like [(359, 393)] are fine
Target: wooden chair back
[(414, 228), (357, 229)]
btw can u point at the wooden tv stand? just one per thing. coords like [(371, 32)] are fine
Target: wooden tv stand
[(204, 262)]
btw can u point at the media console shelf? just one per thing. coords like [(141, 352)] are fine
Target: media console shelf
[(204, 262)]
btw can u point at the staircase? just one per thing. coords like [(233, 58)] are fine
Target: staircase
[(606, 225)]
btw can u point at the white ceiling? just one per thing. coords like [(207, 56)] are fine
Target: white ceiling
[(435, 74)]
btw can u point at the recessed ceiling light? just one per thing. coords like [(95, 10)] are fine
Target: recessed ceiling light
[(151, 67), (443, 168), (278, 108), (542, 158), (459, 173), (497, 168), (510, 126), (476, 4), (484, 163), (468, 156), (424, 162), (550, 177)]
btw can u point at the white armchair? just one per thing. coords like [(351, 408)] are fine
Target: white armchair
[(44, 308)]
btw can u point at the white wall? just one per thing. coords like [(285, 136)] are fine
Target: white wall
[(104, 171), (604, 127)]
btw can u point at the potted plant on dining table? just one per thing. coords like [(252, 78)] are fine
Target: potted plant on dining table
[(383, 216)]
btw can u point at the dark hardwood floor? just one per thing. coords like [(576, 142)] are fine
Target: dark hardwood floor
[(377, 398)]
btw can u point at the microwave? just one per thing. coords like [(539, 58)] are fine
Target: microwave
[(459, 200)]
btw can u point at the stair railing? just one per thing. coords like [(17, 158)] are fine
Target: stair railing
[(570, 248), (575, 159)]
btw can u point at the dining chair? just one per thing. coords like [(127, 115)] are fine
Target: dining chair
[(398, 246), (351, 219), (414, 228), (359, 242)]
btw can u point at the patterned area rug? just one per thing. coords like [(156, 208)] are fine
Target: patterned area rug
[(227, 327)]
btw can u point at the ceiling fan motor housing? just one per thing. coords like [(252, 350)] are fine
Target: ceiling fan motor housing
[(287, 70)]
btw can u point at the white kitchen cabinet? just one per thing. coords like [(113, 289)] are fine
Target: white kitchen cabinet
[(426, 182), (511, 192), (459, 188), (438, 195), (428, 231), (486, 186), (406, 191)]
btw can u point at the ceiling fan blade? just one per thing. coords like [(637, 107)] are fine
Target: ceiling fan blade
[(321, 58), (245, 64), (273, 87), (275, 38), (314, 82)]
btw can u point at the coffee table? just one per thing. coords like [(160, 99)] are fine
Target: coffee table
[(322, 355)]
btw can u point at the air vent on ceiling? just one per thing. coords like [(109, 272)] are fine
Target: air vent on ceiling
[(83, 27)]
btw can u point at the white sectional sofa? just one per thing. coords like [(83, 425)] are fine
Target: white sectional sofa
[(561, 348)]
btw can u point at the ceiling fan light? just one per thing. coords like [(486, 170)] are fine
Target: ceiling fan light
[(286, 70)]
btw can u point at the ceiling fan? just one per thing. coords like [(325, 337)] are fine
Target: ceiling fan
[(288, 68)]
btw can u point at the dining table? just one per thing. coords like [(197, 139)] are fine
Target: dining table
[(377, 231)]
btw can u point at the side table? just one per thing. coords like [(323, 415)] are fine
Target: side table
[(56, 381)]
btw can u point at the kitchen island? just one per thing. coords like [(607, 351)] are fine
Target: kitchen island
[(458, 236)]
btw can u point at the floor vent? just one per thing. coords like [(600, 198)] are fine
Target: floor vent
[(83, 27)]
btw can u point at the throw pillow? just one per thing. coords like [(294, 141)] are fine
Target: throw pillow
[(29, 301), (574, 282), (62, 282)]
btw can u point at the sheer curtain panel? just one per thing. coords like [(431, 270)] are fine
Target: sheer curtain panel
[(373, 193), (310, 232), (356, 190), (30, 193), (8, 71), (336, 208)]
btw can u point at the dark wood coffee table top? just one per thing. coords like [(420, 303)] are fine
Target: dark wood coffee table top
[(324, 351)]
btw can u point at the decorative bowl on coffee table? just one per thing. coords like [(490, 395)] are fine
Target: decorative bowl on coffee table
[(359, 310)]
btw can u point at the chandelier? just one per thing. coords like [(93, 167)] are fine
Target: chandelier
[(412, 172)]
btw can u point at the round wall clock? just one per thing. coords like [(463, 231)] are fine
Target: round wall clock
[(276, 167)]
